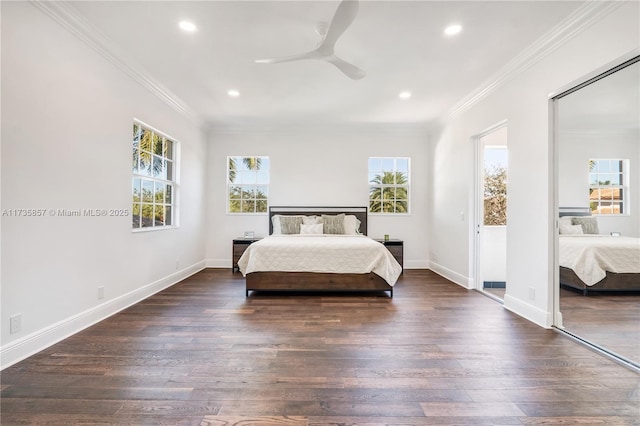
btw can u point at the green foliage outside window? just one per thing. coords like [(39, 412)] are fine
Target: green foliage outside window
[(247, 184), (495, 196), (389, 185), (153, 166)]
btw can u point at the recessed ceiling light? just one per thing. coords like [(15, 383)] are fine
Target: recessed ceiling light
[(187, 26), (233, 93), (404, 95), (453, 29)]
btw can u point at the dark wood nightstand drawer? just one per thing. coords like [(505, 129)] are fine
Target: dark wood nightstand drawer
[(239, 246)]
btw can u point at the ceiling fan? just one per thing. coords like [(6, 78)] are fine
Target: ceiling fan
[(344, 16)]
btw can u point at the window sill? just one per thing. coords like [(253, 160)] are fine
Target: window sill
[(157, 228)]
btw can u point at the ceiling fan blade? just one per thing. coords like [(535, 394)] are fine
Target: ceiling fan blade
[(348, 69), (344, 16), (301, 56), (342, 19)]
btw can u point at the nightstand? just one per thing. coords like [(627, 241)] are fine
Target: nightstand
[(240, 244), (396, 248)]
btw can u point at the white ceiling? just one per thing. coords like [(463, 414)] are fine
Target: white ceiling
[(400, 45)]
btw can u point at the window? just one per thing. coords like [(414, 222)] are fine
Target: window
[(154, 182), (247, 184), (389, 185), (607, 186)]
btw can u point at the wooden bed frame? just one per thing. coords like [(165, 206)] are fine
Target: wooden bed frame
[(313, 281), (611, 282)]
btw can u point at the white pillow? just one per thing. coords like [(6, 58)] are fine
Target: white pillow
[(316, 228), (564, 221), (351, 225), (571, 229), (275, 221)]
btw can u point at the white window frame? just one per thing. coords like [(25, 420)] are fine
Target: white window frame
[(394, 169), (624, 186), (168, 180), (245, 182)]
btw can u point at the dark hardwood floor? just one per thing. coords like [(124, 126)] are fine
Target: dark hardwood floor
[(200, 353), (610, 320)]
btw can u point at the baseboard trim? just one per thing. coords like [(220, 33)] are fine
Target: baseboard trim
[(453, 276), (37, 341), (528, 311), (415, 264)]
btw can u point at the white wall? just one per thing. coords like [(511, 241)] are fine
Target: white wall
[(67, 116), (318, 166), (574, 153), (523, 102)]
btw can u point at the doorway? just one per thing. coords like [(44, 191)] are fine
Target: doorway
[(491, 211)]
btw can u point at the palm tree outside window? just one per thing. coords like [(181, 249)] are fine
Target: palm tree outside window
[(389, 185), (154, 178), (247, 184)]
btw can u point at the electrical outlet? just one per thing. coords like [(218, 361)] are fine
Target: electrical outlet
[(100, 292), (15, 323), (532, 293), (177, 265)]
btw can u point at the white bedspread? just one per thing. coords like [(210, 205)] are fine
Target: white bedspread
[(355, 254), (591, 256)]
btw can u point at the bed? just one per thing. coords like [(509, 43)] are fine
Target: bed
[(592, 262), (311, 254)]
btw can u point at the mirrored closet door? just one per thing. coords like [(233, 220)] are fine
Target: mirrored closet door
[(597, 137)]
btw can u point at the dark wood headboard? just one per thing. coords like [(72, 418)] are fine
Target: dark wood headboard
[(360, 212)]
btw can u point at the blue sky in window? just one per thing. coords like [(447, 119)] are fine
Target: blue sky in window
[(605, 171), (496, 156), (389, 164), (607, 166), (256, 177)]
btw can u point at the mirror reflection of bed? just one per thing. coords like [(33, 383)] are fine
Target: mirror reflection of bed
[(598, 145), (594, 262)]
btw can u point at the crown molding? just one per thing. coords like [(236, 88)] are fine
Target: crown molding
[(419, 129), (584, 16), (69, 18)]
